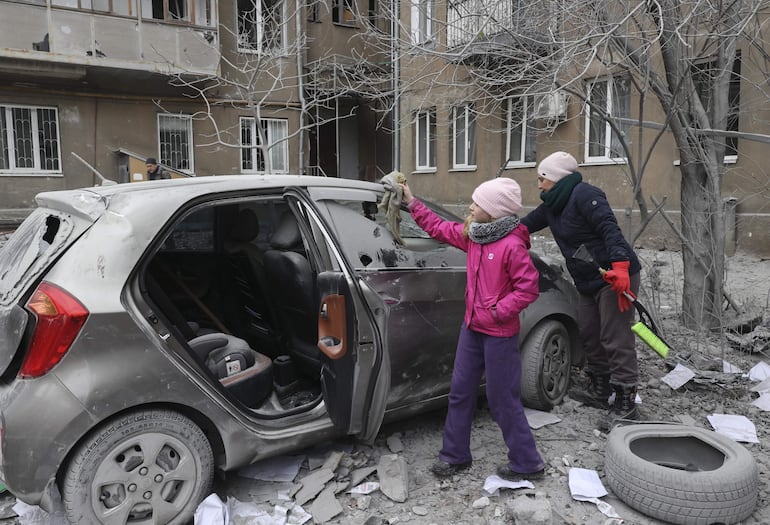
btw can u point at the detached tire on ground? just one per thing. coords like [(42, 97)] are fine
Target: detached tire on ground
[(148, 466), (681, 474), (546, 358)]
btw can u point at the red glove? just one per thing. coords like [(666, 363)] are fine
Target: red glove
[(620, 283)]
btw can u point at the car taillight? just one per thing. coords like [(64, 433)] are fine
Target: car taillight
[(59, 319)]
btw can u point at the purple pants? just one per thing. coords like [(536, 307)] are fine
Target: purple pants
[(500, 356)]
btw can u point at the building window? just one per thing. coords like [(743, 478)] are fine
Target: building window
[(521, 145), (175, 139), (313, 14), (200, 12), (29, 140), (261, 25), (343, 13), (275, 133), (704, 75), (610, 98), (425, 140), (116, 7), (422, 21), (463, 137)]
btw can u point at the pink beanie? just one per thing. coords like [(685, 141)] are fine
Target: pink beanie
[(557, 165), (498, 197)]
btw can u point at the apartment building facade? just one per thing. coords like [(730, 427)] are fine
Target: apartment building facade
[(90, 88), (463, 121)]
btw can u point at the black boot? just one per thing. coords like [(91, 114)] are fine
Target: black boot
[(624, 407), (594, 392)]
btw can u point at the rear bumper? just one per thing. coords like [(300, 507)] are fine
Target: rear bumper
[(41, 422)]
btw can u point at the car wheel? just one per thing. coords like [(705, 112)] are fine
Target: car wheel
[(546, 358), (681, 474), (150, 465)]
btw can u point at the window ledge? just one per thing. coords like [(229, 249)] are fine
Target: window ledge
[(31, 174), (727, 160), (424, 170), (604, 162), (519, 165), (463, 169)]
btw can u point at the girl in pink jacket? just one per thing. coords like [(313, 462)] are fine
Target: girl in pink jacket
[(501, 282)]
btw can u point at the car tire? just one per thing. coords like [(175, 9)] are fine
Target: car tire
[(681, 474), (546, 359), (146, 463)]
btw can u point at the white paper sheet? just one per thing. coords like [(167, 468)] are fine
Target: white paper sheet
[(739, 428), (494, 483), (759, 372), (678, 376)]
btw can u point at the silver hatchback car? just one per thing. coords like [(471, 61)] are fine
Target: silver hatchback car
[(152, 333)]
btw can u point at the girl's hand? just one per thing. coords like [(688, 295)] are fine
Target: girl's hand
[(408, 195)]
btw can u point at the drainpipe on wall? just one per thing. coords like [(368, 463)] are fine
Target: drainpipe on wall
[(301, 83), (394, 35)]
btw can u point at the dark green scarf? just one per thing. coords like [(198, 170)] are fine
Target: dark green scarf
[(556, 198)]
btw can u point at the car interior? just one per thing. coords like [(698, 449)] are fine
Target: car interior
[(234, 281)]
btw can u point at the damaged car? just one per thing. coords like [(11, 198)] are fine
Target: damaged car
[(152, 334)]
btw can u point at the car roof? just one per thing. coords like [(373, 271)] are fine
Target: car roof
[(223, 183)]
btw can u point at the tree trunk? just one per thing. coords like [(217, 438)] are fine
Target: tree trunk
[(703, 227)]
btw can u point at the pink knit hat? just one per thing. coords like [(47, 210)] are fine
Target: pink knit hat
[(498, 197), (557, 165)]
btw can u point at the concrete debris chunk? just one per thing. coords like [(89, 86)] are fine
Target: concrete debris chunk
[(394, 444), (325, 506), (532, 511), (333, 460), (312, 484), (360, 474), (394, 480)]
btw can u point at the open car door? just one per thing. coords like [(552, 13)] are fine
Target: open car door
[(355, 369)]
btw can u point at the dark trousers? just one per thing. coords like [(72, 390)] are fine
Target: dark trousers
[(607, 337), (500, 356)]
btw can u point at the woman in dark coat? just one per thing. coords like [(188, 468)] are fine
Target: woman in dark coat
[(578, 213)]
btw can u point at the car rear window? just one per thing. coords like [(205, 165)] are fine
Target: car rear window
[(30, 249)]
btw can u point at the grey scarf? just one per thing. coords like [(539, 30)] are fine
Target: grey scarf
[(486, 232)]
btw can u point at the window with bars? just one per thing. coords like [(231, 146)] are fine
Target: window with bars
[(275, 133), (463, 137), (29, 140), (521, 143), (425, 140), (261, 25), (610, 98), (175, 140)]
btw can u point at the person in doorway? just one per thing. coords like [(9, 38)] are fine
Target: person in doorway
[(502, 281), (578, 213), (155, 171)]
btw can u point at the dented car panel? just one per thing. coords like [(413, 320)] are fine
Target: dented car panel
[(197, 306)]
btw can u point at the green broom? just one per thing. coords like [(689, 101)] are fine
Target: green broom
[(645, 328)]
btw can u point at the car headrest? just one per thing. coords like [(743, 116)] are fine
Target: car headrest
[(246, 226), (286, 235)]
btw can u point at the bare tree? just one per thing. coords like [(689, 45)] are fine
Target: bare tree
[(679, 59)]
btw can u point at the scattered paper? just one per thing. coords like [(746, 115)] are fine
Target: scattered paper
[(763, 401), (729, 368), (585, 485), (678, 376), (739, 428), (34, 515), (212, 511), (759, 372), (538, 418), (279, 468), (367, 487), (494, 483), (764, 386)]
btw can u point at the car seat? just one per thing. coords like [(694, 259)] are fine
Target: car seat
[(293, 288), (245, 260), (244, 372)]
